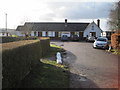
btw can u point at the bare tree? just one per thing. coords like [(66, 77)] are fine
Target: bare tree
[(27, 28), (114, 17)]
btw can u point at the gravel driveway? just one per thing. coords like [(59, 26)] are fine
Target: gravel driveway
[(90, 68)]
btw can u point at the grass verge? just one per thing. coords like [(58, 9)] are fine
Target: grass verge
[(115, 51), (48, 74), (53, 50)]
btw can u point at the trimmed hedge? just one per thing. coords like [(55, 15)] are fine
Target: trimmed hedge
[(45, 46), (12, 39), (19, 57)]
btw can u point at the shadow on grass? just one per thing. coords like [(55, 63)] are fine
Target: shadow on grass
[(49, 76), (46, 76)]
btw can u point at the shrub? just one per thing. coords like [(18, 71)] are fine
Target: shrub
[(115, 40)]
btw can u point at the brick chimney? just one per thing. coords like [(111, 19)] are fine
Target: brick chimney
[(98, 22), (65, 22)]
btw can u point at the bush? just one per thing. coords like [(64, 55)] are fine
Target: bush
[(19, 57), (115, 40)]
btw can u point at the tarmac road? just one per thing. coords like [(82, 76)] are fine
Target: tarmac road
[(90, 68)]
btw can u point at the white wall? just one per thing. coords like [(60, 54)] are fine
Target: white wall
[(4, 34), (19, 33), (51, 34), (43, 33), (89, 29), (0, 34), (32, 33)]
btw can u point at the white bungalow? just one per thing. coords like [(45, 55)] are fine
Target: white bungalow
[(57, 29)]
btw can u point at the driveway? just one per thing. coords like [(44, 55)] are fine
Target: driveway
[(90, 68)]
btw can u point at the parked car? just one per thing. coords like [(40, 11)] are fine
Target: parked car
[(74, 38), (101, 42), (64, 38), (91, 38)]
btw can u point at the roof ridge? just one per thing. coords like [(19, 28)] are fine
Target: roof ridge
[(56, 22)]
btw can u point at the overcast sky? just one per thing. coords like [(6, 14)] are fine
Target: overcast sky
[(21, 11)]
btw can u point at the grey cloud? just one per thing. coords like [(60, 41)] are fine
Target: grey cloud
[(80, 10)]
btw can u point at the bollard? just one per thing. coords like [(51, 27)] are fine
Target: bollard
[(109, 48), (59, 58)]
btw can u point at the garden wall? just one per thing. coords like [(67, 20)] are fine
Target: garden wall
[(19, 57)]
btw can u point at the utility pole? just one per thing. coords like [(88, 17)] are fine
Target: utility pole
[(6, 21)]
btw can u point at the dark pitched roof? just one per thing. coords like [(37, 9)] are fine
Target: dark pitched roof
[(19, 28), (54, 26)]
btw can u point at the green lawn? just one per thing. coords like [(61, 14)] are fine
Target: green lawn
[(48, 74), (54, 49)]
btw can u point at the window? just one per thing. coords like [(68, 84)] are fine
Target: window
[(92, 27), (34, 33), (3, 33), (101, 39)]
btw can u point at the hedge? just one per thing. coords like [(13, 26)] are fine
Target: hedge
[(19, 57), (45, 44), (12, 39)]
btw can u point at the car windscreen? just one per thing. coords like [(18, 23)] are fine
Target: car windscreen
[(101, 39), (64, 36)]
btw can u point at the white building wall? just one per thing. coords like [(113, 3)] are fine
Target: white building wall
[(19, 33), (89, 29), (43, 33), (0, 34), (32, 33), (51, 34), (36, 33), (3, 34)]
